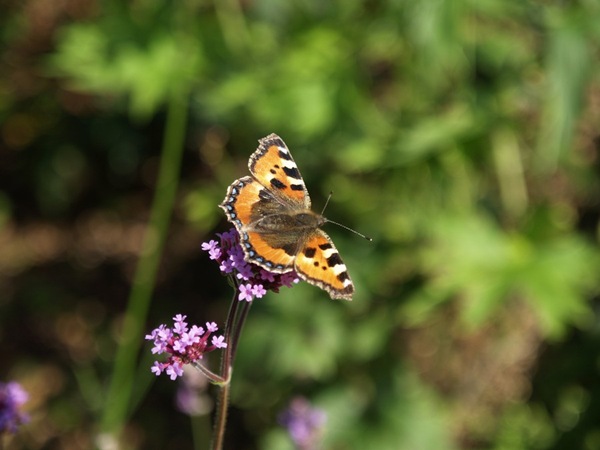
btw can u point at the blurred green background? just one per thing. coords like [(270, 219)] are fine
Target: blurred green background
[(462, 135)]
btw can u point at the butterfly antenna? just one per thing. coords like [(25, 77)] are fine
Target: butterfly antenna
[(350, 229), (327, 202), (339, 224)]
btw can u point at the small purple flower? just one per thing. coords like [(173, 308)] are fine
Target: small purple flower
[(266, 275), (212, 247), (12, 397), (174, 370), (185, 345), (288, 279), (219, 341), (156, 368), (254, 281), (246, 292), (180, 325), (304, 423), (258, 290)]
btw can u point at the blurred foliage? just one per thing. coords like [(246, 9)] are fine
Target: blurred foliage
[(461, 135)]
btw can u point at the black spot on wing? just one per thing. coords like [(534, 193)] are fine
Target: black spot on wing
[(292, 172), (297, 187), (334, 260), (325, 246), (309, 252), (289, 249), (343, 276), (277, 184), (285, 155)]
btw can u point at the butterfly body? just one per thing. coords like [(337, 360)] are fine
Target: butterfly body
[(278, 230)]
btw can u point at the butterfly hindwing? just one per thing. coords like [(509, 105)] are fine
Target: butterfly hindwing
[(245, 204), (266, 251), (319, 263), (239, 201)]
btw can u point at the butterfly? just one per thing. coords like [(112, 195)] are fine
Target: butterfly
[(278, 231)]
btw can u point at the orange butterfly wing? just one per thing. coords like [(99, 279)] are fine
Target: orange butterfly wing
[(240, 206), (273, 166), (319, 263)]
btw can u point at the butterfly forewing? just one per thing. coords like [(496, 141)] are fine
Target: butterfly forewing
[(273, 166)]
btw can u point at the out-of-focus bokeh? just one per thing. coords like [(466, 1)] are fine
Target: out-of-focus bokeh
[(462, 135)]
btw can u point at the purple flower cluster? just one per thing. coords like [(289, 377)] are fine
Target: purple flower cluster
[(184, 344), (253, 280), (12, 397), (304, 423)]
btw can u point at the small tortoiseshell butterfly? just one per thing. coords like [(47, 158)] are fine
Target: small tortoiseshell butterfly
[(278, 231)]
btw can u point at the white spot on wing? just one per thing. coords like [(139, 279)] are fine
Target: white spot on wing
[(289, 164), (339, 268), (328, 252)]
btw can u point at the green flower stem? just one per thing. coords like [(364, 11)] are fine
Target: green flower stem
[(226, 360), (119, 395), (221, 415), (233, 329)]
